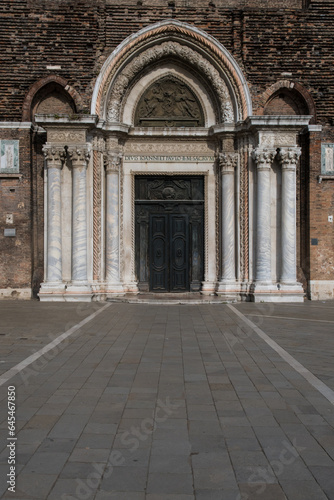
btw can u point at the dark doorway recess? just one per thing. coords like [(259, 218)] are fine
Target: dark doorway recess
[(169, 213)]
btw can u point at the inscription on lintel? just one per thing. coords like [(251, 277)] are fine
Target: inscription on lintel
[(168, 158)]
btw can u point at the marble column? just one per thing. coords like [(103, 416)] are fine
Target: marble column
[(79, 157), (263, 159), (228, 163), (113, 163), (288, 158), (53, 288)]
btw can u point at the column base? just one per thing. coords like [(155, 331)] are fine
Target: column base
[(78, 292), (208, 288), (132, 287), (267, 291), (52, 291), (114, 289), (229, 289)]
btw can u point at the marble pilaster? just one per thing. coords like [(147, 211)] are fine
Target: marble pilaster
[(263, 278), (79, 288), (228, 163), (113, 163), (53, 285), (288, 158)]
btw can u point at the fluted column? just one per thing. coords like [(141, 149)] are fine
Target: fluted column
[(228, 163), (80, 157), (263, 159), (55, 156), (288, 158), (112, 165)]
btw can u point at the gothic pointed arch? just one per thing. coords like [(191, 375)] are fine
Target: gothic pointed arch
[(184, 45)]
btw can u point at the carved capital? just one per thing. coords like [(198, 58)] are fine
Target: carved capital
[(112, 162), (79, 156), (228, 162), (55, 156), (263, 158), (288, 157)]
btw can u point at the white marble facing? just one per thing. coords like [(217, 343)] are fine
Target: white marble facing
[(54, 243), (79, 224)]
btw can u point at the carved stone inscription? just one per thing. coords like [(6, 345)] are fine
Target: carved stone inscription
[(169, 103)]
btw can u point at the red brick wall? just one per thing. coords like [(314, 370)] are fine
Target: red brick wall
[(15, 194)]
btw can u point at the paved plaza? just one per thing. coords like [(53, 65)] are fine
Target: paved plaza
[(120, 401)]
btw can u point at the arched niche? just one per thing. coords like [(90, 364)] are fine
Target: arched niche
[(53, 99)]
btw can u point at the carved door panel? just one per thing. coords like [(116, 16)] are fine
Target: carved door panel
[(159, 257), (179, 253), (169, 253)]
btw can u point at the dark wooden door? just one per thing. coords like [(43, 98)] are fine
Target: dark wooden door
[(169, 252)]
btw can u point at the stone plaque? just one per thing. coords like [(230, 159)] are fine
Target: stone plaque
[(10, 232), (327, 159), (9, 156), (167, 158)]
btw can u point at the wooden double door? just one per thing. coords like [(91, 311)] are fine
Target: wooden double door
[(169, 252), (169, 233)]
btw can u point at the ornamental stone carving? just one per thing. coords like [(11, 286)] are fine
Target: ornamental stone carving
[(228, 162), (79, 156), (112, 162), (289, 157), (169, 102), (263, 158), (66, 136), (55, 156), (168, 49)]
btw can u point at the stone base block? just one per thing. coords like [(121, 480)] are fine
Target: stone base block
[(15, 293), (229, 290), (114, 289), (209, 287), (321, 289), (78, 293), (277, 292), (52, 292)]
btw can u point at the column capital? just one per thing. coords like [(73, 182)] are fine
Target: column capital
[(228, 162), (263, 158), (288, 157), (79, 156), (112, 162), (54, 155)]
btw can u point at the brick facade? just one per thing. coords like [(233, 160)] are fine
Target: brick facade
[(52, 53)]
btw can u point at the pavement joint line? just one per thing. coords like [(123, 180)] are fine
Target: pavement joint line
[(304, 372), (286, 317), (26, 362)]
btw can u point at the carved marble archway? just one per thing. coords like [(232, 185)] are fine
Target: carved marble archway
[(177, 41)]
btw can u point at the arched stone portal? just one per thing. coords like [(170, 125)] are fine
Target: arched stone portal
[(171, 110)]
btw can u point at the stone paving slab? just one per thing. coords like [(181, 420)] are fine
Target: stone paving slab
[(169, 402)]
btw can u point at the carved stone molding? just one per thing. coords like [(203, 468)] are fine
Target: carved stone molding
[(228, 162), (289, 157), (55, 156), (153, 54), (276, 139), (169, 148), (263, 158), (66, 136)]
